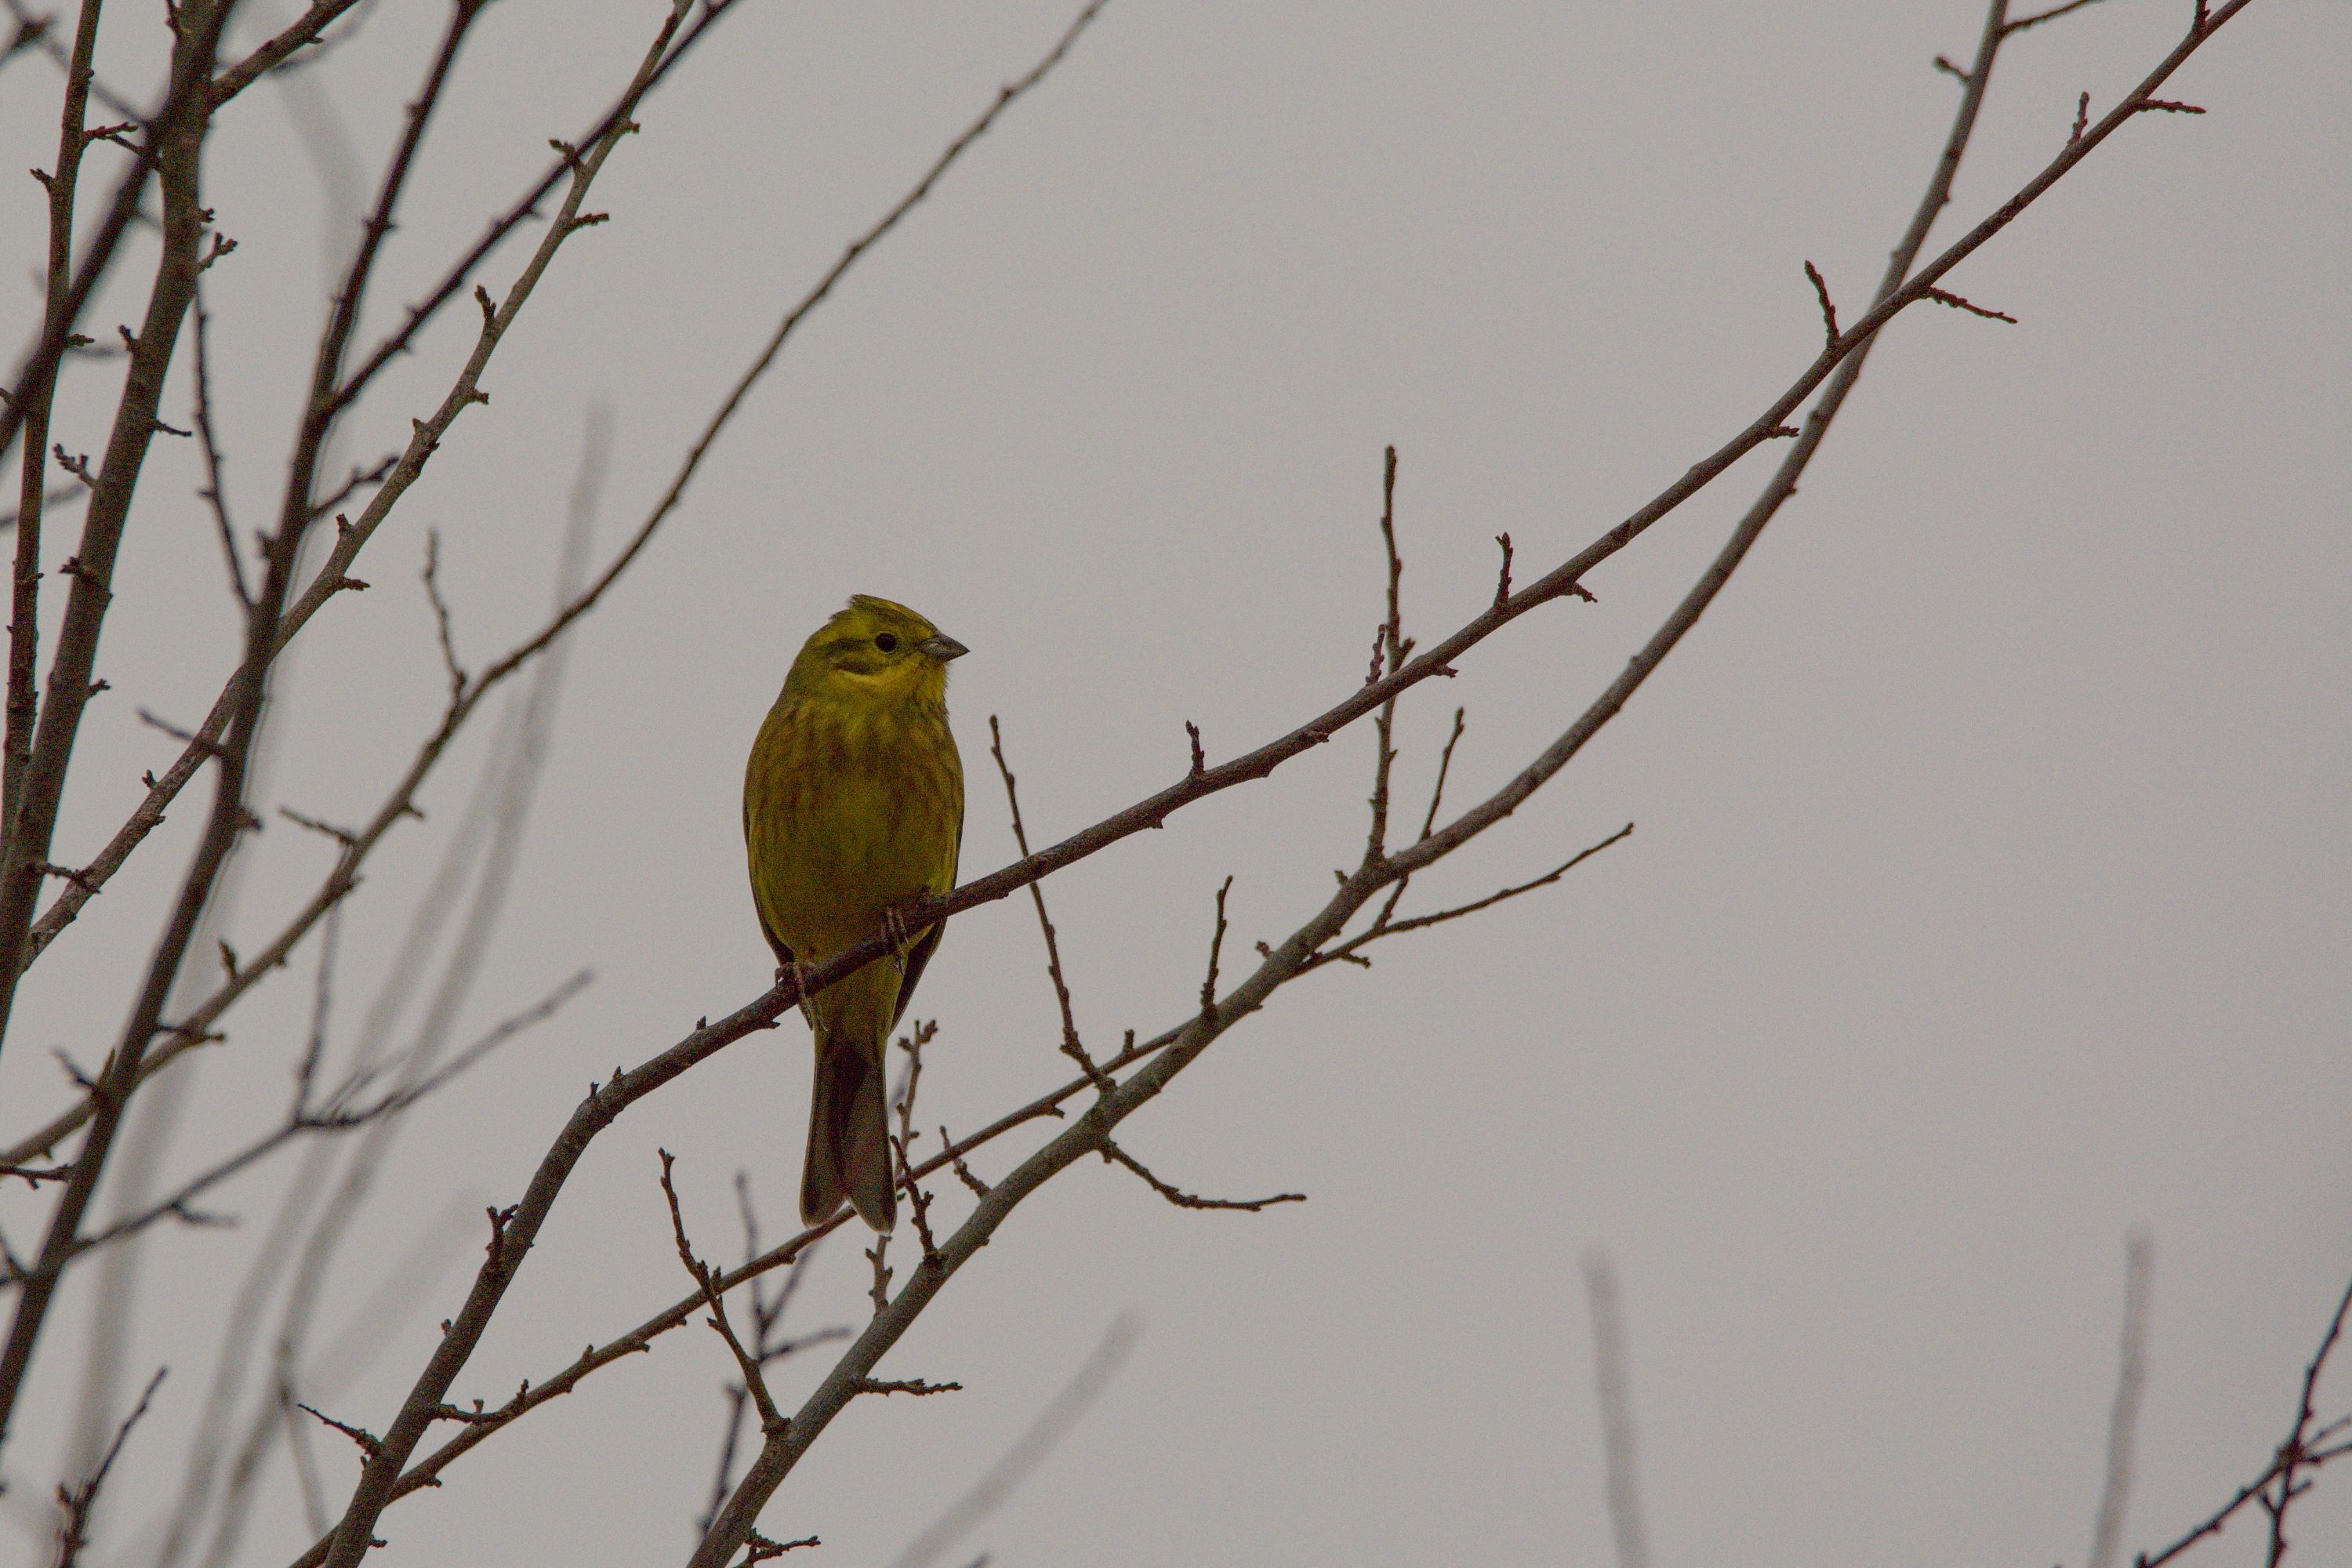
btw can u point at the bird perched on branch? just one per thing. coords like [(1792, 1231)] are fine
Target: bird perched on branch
[(852, 815)]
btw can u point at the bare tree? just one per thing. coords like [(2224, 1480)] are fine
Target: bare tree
[(186, 982)]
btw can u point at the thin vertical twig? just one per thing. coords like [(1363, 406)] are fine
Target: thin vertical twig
[(1071, 1046), (2122, 1419), (1389, 652), (1613, 1384)]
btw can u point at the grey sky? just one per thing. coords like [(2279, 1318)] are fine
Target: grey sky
[(1988, 897)]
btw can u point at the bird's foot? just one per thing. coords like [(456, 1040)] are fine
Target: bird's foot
[(894, 927), (800, 973)]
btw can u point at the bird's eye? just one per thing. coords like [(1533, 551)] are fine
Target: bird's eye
[(885, 642)]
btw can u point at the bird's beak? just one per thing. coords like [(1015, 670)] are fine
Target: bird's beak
[(942, 647)]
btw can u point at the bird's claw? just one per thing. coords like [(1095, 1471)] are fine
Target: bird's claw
[(894, 927), (799, 972)]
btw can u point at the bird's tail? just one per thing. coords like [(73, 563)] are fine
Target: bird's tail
[(849, 1137)]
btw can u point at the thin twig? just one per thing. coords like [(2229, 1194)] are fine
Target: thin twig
[(1612, 1383), (1946, 297), (1387, 655), (2123, 1421), (1348, 951), (1829, 311), (919, 1201), (2051, 14), (2296, 1454), (1112, 1152), (1071, 1046), (2300, 1453), (215, 494), (441, 620), (73, 1530), (341, 1111), (770, 1419)]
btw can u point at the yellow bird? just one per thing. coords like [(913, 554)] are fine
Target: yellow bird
[(852, 812)]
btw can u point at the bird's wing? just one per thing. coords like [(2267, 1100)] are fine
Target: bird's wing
[(919, 955), (783, 954)]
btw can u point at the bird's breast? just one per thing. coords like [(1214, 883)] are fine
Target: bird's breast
[(848, 815)]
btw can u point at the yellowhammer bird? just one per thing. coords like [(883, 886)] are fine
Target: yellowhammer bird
[(853, 811)]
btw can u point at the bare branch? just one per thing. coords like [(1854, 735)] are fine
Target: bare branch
[(216, 491), (368, 1444), (457, 672), (1183, 1200), (1388, 651), (2301, 1453), (919, 1201), (1383, 926), (1071, 1046), (1944, 297), (1429, 819), (341, 1111), (1829, 311), (24, 626), (914, 1385), (2296, 1454), (284, 45), (2123, 1421), (177, 136), (2039, 17), (607, 1100), (707, 1278), (1613, 1384), (73, 1530)]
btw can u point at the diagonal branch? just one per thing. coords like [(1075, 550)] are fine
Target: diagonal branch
[(523, 209), (1383, 927), (19, 885), (342, 1111), (1283, 963), (607, 1100), (73, 1530), (1112, 1153), (281, 46), (2303, 1451)]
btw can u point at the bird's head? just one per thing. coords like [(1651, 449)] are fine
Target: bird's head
[(873, 648)]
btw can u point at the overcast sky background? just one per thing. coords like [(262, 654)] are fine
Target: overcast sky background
[(1990, 893)]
